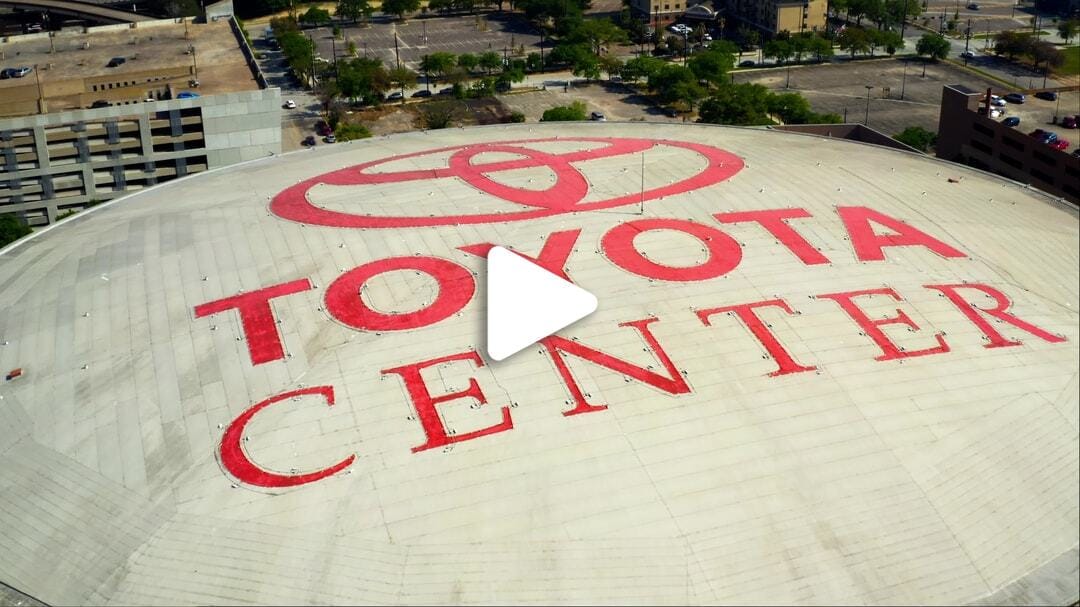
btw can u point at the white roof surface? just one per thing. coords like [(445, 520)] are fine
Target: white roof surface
[(942, 478)]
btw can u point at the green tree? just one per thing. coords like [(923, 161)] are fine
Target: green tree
[(711, 65), (892, 41), (780, 49), (611, 65), (354, 10), (438, 64), (820, 48), (468, 61), (597, 33), (490, 61), (642, 68), (565, 113), (750, 37), (738, 104), (932, 46), (402, 76), (11, 229), (1013, 43), (1047, 54), (672, 83), (400, 7), (917, 137), (1068, 28), (854, 40), (363, 79), (582, 61), (315, 16)]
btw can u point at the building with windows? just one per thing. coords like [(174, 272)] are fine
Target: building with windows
[(968, 136), (111, 109), (663, 12), (774, 16)]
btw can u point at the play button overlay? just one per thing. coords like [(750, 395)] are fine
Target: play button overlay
[(526, 303)]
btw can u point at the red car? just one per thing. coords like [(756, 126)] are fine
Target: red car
[(1060, 144)]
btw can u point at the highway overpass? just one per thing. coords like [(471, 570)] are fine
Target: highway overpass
[(79, 9)]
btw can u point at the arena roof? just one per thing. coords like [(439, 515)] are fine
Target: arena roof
[(820, 372)]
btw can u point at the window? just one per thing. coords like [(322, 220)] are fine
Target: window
[(1009, 160), (1043, 158), (1043, 176), (1014, 144)]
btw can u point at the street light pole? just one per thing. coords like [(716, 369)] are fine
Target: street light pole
[(903, 83), (866, 120)]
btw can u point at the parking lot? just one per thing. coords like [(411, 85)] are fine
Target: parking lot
[(899, 96), (424, 35)]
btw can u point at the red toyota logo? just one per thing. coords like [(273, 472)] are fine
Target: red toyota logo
[(565, 195)]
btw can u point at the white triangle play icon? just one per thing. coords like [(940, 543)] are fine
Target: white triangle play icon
[(526, 303)]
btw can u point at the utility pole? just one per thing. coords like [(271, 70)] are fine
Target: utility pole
[(903, 19), (41, 96), (903, 83), (194, 63), (541, 49), (866, 120), (967, 41), (397, 51)]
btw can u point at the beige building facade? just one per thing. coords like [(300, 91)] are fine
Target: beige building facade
[(775, 16)]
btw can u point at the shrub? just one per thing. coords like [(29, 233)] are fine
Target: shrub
[(565, 113)]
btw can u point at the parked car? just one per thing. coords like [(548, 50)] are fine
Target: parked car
[(447, 91), (309, 140), (290, 104), (99, 103), (395, 96), (1060, 144), (1044, 136), (116, 62), (187, 95), (15, 72), (967, 55), (1015, 98), (747, 63), (1047, 95), (1071, 122), (598, 117), (1076, 153), (997, 101), (972, 6), (1011, 121), (422, 93), (330, 138)]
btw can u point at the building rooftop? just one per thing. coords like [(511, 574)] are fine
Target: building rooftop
[(71, 63), (835, 373)]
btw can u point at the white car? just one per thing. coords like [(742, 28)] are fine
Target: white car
[(290, 104), (967, 55)]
